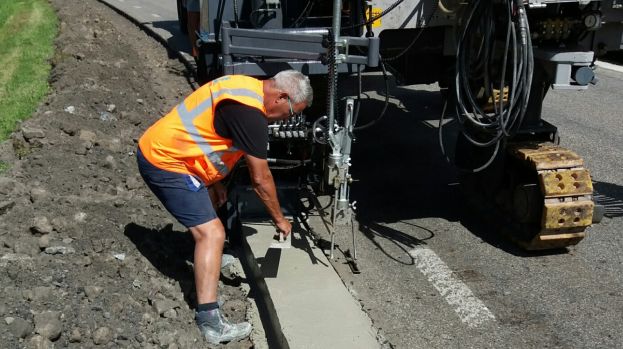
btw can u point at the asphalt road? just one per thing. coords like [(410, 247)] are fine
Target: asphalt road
[(431, 279)]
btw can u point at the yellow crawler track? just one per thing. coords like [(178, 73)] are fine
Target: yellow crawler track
[(567, 192)]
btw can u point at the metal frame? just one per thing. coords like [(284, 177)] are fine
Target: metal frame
[(263, 52)]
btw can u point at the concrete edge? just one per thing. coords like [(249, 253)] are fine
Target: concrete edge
[(263, 300), (609, 66)]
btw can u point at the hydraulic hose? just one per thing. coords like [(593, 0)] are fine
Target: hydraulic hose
[(481, 69)]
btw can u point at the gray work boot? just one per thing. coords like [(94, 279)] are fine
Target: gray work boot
[(215, 328)]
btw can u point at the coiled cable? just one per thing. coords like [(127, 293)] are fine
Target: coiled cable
[(480, 70)]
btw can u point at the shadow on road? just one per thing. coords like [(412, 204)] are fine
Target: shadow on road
[(403, 241), (400, 173), (611, 197)]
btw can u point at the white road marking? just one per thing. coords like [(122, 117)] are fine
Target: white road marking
[(156, 15), (609, 66), (136, 6), (471, 310)]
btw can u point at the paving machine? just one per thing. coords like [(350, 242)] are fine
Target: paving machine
[(495, 61)]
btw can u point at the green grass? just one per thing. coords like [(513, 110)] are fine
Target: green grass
[(3, 167), (27, 32)]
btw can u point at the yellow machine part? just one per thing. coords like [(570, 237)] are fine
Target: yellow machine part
[(567, 190)]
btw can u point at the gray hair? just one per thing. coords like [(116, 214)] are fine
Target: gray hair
[(296, 85)]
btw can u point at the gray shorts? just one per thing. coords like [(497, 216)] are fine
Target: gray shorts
[(193, 5)]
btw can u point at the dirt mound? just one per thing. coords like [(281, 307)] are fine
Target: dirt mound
[(88, 257)]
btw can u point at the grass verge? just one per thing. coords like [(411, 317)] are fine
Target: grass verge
[(27, 32)]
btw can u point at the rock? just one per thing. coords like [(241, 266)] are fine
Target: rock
[(20, 328), (9, 320), (133, 118), (26, 246), (59, 250), (32, 133), (162, 305), (39, 342), (132, 183), (81, 150), (70, 109), (111, 108), (166, 338), (106, 116), (48, 324), (28, 295), (140, 337), (59, 223), (88, 136), (113, 144), (75, 336), (44, 241), (170, 314), (41, 292), (80, 217), (119, 256), (11, 186), (84, 261), (5, 206), (102, 335), (69, 129), (41, 225), (147, 318), (109, 162), (93, 291), (38, 194)]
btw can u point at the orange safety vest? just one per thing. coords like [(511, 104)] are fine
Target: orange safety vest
[(185, 141)]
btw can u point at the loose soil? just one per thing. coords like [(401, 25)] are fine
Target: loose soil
[(88, 257)]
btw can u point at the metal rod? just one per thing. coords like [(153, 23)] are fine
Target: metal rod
[(333, 221), (332, 95), (352, 228)]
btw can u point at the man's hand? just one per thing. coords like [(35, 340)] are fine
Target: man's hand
[(220, 194), (284, 227), (264, 187)]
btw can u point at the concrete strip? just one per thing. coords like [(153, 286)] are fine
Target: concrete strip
[(314, 308), (471, 310), (609, 66)]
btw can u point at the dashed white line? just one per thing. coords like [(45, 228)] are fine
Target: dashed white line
[(136, 6), (471, 310), (156, 15)]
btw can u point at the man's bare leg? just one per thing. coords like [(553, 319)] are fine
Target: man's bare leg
[(209, 240)]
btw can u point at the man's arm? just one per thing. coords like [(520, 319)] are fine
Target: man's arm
[(264, 187)]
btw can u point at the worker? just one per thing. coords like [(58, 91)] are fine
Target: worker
[(186, 154), (193, 24)]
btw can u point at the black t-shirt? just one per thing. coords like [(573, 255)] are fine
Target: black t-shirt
[(246, 126)]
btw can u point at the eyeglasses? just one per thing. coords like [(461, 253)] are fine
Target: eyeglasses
[(291, 110)]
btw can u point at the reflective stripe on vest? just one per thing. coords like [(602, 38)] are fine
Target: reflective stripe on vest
[(188, 117)]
